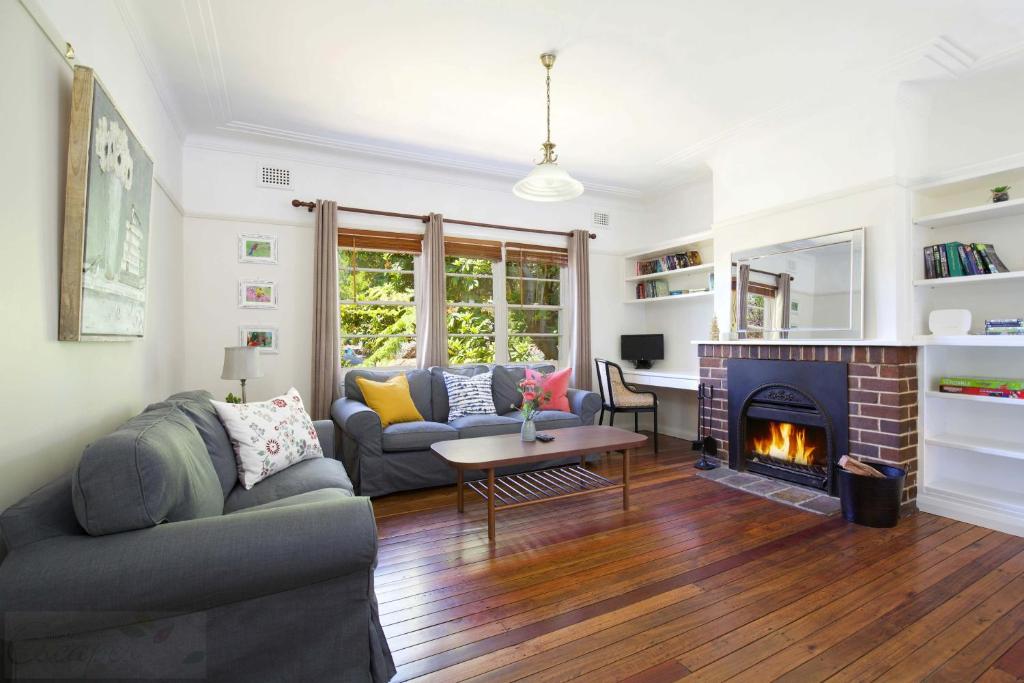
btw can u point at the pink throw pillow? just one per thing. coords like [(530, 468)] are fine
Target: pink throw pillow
[(557, 383)]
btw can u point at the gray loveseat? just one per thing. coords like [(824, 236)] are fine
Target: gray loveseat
[(398, 458), (150, 562)]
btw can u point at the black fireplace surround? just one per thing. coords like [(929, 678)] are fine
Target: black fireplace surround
[(807, 396)]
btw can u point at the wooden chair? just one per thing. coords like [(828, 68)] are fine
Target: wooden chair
[(619, 397)]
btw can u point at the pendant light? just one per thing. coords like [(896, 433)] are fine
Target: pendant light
[(547, 182)]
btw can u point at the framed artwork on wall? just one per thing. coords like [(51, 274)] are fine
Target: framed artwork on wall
[(257, 294), (105, 250), (257, 249), (262, 337)]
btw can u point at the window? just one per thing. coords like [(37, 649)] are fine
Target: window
[(377, 312), (469, 284), (533, 296)]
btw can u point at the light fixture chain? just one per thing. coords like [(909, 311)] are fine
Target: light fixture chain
[(548, 84)]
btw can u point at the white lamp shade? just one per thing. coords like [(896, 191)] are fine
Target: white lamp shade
[(241, 362), (548, 183)]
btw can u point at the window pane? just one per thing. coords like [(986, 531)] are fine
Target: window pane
[(532, 349), (458, 264), (382, 259), (346, 285), (532, 292), (470, 320), (462, 350), (378, 351), (383, 286), (542, 270), (479, 290), (526, 320), (344, 258), (373, 320)]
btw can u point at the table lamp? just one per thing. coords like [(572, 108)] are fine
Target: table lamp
[(242, 363)]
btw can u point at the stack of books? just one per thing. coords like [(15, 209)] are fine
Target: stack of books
[(1005, 326), (651, 289), (955, 259), (669, 262), (976, 386)]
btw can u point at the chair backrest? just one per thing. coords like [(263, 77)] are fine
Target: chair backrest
[(603, 382)]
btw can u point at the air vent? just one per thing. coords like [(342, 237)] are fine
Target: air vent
[(274, 176), (602, 220)]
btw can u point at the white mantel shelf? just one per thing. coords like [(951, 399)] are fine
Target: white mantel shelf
[(807, 342)]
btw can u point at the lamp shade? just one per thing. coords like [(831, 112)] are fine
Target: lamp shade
[(547, 182), (241, 362)]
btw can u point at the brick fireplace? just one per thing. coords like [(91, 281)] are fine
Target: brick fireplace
[(881, 386)]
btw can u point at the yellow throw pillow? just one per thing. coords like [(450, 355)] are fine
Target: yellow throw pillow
[(391, 399)]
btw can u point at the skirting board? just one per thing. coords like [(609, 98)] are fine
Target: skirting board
[(969, 510)]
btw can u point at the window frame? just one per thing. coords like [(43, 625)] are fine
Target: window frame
[(354, 269)]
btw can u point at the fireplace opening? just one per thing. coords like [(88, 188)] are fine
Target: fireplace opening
[(800, 449), (788, 419)]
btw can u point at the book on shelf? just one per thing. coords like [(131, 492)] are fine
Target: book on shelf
[(1005, 326), (980, 386), (669, 262), (651, 289), (980, 391), (957, 259)]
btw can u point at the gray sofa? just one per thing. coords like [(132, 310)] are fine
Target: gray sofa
[(150, 562), (398, 458)]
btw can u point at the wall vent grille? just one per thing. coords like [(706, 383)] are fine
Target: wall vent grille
[(602, 220), (274, 176)]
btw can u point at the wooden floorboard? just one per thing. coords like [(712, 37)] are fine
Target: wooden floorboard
[(696, 582)]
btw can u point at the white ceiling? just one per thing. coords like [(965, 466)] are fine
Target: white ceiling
[(641, 89)]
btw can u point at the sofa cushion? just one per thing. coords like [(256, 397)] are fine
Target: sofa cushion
[(308, 475), (153, 469), (550, 419), (415, 436), (419, 386), (439, 392), (391, 400), (197, 407), (469, 395), (307, 498), (484, 425), (505, 385)]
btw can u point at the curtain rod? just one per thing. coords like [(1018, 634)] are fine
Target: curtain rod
[(764, 272), (423, 219)]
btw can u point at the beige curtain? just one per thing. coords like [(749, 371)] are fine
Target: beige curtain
[(433, 320), (326, 379), (579, 292), (784, 297), (742, 285)]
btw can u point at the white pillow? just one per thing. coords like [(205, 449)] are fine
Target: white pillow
[(469, 395), (269, 436)]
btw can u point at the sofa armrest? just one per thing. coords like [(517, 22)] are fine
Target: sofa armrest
[(325, 433), (584, 403), (361, 435), (182, 567)]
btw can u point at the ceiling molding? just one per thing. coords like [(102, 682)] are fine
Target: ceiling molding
[(156, 76), (434, 159), (202, 32)]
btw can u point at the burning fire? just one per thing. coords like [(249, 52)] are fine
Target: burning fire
[(785, 442)]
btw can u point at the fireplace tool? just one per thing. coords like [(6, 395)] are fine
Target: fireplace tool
[(706, 443)]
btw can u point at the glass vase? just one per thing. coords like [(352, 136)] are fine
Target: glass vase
[(528, 432)]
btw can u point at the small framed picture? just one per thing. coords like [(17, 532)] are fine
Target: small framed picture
[(262, 337), (257, 249), (257, 294)]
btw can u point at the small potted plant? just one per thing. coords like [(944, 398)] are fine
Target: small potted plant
[(1000, 194), (532, 398)]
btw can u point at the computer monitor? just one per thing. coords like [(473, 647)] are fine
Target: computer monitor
[(642, 349)]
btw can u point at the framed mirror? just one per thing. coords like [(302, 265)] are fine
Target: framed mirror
[(805, 289)]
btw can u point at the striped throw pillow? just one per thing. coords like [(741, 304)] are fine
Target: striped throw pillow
[(469, 395)]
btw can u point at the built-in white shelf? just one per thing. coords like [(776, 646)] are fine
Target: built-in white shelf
[(668, 273), (670, 297), (671, 246), (987, 506), (995, 400), (972, 214), (975, 444), (969, 279), (1009, 340)]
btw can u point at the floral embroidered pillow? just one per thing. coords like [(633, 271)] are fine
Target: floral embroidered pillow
[(269, 436)]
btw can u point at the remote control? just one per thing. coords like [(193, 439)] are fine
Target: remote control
[(545, 437)]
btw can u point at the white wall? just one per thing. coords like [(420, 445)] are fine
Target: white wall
[(61, 395), (222, 200)]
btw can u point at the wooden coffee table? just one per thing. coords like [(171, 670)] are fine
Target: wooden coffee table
[(488, 453)]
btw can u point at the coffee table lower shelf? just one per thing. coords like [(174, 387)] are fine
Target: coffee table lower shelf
[(515, 490)]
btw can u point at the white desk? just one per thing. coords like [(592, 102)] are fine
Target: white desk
[(671, 379)]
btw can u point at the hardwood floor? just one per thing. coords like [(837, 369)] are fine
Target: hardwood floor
[(696, 581)]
